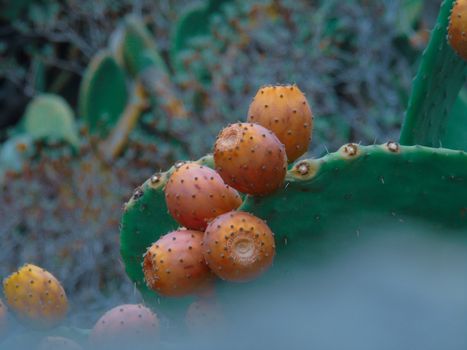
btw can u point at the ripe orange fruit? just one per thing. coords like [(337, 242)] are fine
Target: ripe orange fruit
[(196, 194), (238, 246), (250, 158), (36, 296), (284, 109), (174, 265)]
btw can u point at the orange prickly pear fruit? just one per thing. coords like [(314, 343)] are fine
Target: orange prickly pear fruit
[(457, 31), (36, 296), (238, 246), (250, 158), (284, 109), (174, 265), (59, 343), (196, 194), (125, 324)]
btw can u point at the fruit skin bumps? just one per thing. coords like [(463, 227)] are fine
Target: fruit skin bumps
[(174, 265), (238, 246), (125, 324), (284, 109), (36, 296), (250, 158), (196, 194), (457, 31)]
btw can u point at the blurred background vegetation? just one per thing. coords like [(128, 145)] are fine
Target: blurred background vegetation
[(96, 96)]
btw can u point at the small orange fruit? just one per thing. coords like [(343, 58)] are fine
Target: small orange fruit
[(250, 158), (238, 246), (174, 265), (196, 194), (284, 109), (36, 296)]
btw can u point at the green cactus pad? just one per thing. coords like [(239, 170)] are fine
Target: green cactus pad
[(135, 43), (103, 94), (194, 22), (50, 117), (115, 143), (441, 75), (454, 133), (142, 59), (350, 188)]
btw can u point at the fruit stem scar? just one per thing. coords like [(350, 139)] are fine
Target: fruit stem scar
[(229, 139)]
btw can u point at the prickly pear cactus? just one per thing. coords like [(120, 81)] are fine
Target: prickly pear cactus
[(193, 23), (330, 203), (455, 135), (103, 94), (135, 41), (355, 185), (117, 139), (140, 56), (50, 117), (440, 77)]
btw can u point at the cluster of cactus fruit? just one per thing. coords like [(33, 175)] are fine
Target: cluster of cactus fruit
[(215, 238), (315, 195)]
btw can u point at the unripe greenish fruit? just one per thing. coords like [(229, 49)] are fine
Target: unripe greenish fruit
[(457, 31), (250, 158), (36, 297), (174, 265), (238, 246), (196, 194), (125, 324), (58, 343), (284, 109)]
